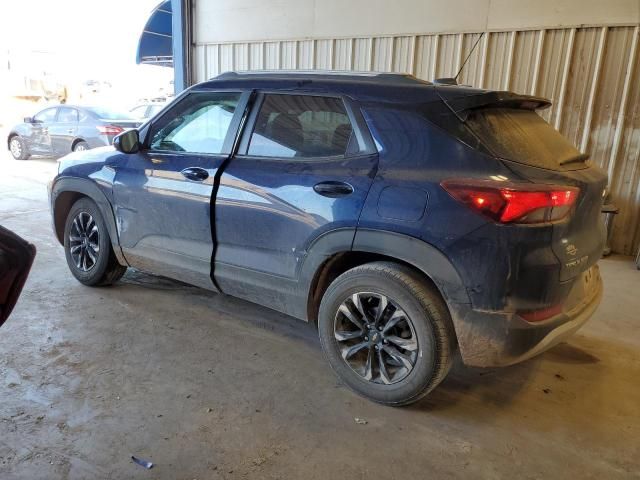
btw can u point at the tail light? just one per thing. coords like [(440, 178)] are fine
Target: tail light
[(109, 129), (514, 203)]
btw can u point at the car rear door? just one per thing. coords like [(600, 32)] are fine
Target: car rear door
[(63, 130), (303, 168), (163, 193)]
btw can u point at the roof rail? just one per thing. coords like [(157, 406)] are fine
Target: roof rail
[(233, 73), (344, 73)]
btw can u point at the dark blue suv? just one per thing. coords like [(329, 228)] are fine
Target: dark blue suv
[(410, 220)]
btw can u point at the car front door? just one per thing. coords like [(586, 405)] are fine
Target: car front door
[(39, 139), (64, 130), (162, 194), (303, 168)]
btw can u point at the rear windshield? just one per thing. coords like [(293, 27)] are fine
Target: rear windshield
[(524, 137)]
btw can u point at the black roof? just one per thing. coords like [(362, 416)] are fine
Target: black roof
[(365, 85), (379, 78)]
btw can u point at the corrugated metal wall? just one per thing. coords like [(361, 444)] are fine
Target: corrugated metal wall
[(592, 75)]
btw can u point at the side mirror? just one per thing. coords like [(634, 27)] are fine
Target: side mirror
[(127, 142), (28, 120)]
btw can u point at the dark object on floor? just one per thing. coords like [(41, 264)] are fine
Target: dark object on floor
[(143, 463), (609, 211), (16, 258)]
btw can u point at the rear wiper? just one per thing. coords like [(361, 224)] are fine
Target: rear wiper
[(583, 157)]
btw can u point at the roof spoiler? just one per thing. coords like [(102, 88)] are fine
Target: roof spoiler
[(463, 105)]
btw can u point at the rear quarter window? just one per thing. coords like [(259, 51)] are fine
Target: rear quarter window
[(522, 136)]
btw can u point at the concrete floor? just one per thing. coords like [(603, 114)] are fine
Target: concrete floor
[(211, 387)]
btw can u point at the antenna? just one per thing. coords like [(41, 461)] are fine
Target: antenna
[(468, 56)]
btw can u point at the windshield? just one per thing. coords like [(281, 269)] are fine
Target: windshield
[(109, 114)]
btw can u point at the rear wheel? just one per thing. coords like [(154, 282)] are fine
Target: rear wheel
[(18, 148), (87, 246), (386, 333), (81, 146)]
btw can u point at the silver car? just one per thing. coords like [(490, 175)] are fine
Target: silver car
[(56, 131)]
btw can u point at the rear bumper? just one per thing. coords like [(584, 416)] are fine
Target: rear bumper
[(491, 339)]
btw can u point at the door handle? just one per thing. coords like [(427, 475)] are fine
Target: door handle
[(70, 130), (196, 174), (333, 189)]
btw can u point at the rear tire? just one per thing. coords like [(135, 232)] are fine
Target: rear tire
[(87, 246), (81, 146), (405, 348), (18, 148)]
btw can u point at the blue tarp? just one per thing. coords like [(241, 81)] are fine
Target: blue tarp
[(155, 45)]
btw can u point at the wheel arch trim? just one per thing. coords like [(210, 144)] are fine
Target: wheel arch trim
[(88, 189), (421, 255)]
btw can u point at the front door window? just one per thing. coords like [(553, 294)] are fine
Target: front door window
[(198, 124)]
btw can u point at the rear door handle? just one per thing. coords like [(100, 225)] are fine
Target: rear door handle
[(196, 174), (333, 189)]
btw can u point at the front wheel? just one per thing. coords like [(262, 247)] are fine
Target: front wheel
[(18, 148), (87, 246), (386, 333)]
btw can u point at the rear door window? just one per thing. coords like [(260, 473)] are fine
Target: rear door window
[(67, 115), (524, 137), (302, 126)]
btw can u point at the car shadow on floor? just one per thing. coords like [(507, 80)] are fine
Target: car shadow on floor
[(251, 313), (464, 386)]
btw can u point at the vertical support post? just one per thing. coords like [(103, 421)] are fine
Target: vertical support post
[(413, 53), (392, 54), (565, 78), (434, 56), (352, 44), (509, 67), (483, 59), (181, 39), (332, 54), (617, 139), (594, 87), (538, 65), (459, 52)]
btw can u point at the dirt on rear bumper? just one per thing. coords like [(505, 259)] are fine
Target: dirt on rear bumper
[(491, 339)]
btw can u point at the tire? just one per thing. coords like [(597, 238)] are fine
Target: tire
[(91, 266), (18, 148), (81, 146), (422, 323)]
